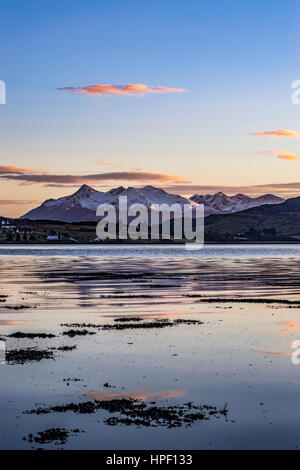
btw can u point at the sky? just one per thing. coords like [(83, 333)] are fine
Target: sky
[(189, 95)]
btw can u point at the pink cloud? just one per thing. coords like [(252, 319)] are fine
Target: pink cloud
[(122, 90), (279, 133)]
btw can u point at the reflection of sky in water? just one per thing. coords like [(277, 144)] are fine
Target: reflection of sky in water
[(142, 395), (290, 326), (276, 353), (214, 363)]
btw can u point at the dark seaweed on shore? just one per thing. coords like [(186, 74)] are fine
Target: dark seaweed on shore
[(125, 324), (129, 296), (162, 286), (139, 325), (192, 296), (80, 325), (243, 300), (136, 412), (72, 333), (128, 319), (181, 321), (59, 435), (17, 307), (65, 348), (20, 335), (21, 356)]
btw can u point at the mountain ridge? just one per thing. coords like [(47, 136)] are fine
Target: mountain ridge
[(220, 203), (255, 223), (81, 206)]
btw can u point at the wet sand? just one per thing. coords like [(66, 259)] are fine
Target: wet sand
[(149, 353)]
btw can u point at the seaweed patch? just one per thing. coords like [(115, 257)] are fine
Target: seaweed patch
[(136, 412)]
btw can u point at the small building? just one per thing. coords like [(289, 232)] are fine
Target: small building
[(54, 237)]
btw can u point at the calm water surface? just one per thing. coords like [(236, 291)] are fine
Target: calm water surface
[(208, 251), (241, 355)]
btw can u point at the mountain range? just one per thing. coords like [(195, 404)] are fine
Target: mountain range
[(220, 203), (279, 222), (81, 206)]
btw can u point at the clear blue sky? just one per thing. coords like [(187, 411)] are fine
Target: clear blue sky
[(236, 59)]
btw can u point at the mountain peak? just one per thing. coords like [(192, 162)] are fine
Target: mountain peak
[(116, 191), (85, 189), (152, 189), (83, 192)]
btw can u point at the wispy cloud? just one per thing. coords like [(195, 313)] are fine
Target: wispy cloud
[(106, 163), (15, 170), (137, 90), (4, 202), (279, 133), (60, 186), (284, 190), (136, 176), (291, 157)]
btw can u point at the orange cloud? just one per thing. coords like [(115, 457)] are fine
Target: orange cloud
[(291, 157), (15, 170), (122, 90), (279, 133)]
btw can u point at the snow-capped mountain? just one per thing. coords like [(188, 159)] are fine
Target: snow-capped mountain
[(82, 205), (220, 203)]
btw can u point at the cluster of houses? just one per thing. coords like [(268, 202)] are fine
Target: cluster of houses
[(59, 237), (54, 237), (6, 225), (11, 231)]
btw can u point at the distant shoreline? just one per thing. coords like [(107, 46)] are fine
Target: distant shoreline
[(149, 244)]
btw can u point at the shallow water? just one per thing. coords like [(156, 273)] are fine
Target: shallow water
[(241, 355)]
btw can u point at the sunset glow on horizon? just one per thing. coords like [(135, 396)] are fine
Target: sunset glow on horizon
[(114, 96)]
